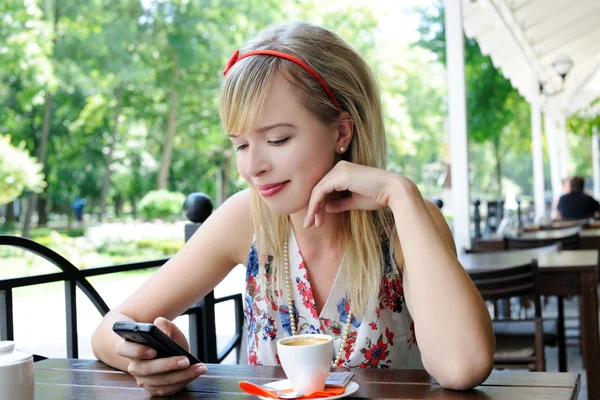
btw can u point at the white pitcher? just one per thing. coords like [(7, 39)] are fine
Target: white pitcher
[(16, 373)]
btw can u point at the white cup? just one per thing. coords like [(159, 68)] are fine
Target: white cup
[(16, 373), (307, 363)]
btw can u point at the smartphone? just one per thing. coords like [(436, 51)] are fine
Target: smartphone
[(151, 336), (338, 379)]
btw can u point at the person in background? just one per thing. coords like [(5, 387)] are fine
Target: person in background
[(77, 207), (576, 204)]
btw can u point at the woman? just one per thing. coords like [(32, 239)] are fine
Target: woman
[(332, 241)]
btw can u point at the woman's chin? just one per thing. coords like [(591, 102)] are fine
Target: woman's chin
[(284, 207)]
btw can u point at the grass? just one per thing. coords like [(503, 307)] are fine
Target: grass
[(167, 247), (35, 233)]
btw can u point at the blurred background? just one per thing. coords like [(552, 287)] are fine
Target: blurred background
[(108, 120)]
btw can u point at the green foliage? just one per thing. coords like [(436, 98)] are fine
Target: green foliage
[(162, 204), (584, 122), (496, 113), (48, 236), (69, 232), (582, 125), (166, 246), (487, 89), (81, 51), (46, 240), (18, 172), (120, 249)]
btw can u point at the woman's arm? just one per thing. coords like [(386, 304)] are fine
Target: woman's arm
[(221, 242), (452, 324)]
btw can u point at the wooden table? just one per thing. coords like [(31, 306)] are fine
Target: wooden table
[(551, 234), (496, 242), (589, 239), (594, 224), (64, 379), (564, 273), (588, 223)]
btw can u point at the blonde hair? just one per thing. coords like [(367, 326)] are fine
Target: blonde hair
[(243, 92)]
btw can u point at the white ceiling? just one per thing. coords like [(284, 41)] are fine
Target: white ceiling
[(524, 37)]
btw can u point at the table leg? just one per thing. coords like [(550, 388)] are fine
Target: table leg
[(588, 310), (562, 342)]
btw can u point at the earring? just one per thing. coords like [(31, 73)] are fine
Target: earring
[(342, 149)]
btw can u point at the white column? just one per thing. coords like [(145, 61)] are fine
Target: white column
[(550, 126), (563, 147), (457, 113), (595, 160), (538, 155)]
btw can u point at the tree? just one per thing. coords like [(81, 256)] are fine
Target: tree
[(31, 46), (118, 36), (584, 122), (582, 125), (183, 33), (18, 172), (110, 70)]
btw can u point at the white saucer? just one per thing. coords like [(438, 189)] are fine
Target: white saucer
[(285, 384)]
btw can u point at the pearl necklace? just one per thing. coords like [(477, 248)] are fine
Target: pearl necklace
[(288, 281)]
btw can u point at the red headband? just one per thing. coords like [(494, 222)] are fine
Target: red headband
[(235, 57)]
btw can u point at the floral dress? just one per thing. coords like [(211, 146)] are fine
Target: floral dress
[(383, 338)]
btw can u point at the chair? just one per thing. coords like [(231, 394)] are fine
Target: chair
[(515, 350), (561, 224), (554, 329), (568, 223), (551, 248), (477, 250), (570, 242)]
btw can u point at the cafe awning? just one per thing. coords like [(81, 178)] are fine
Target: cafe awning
[(550, 52), (531, 40)]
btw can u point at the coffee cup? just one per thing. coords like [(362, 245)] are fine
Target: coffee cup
[(16, 373), (306, 360)]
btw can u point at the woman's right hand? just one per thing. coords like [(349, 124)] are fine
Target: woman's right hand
[(160, 376)]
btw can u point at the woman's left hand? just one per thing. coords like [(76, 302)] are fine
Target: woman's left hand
[(370, 189)]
